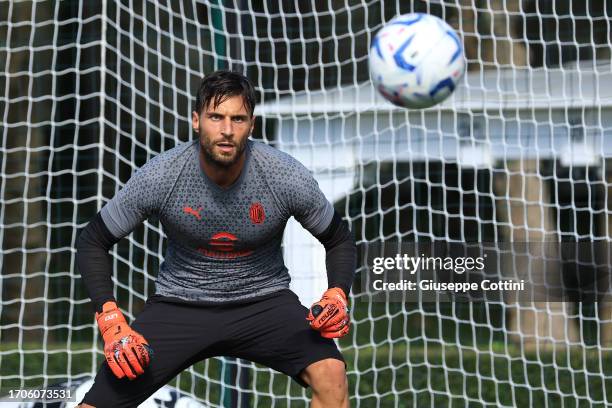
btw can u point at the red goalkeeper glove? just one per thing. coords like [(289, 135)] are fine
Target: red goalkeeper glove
[(330, 315), (127, 352)]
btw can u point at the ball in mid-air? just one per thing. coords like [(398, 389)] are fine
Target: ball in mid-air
[(416, 60)]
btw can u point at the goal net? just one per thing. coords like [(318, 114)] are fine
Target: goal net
[(519, 156)]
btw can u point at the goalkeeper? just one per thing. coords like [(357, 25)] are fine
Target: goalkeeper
[(223, 288)]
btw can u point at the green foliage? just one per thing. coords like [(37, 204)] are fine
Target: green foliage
[(391, 374)]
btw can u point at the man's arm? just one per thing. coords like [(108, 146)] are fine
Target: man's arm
[(330, 315), (127, 352), (307, 203), (340, 254), (141, 197), (94, 261)]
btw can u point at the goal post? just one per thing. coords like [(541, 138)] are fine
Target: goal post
[(520, 154)]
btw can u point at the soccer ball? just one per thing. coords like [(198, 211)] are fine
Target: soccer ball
[(416, 60)]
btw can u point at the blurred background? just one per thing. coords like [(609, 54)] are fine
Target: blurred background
[(520, 153)]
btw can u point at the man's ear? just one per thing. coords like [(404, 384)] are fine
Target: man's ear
[(195, 121), (253, 123)]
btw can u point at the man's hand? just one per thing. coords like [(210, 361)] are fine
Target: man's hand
[(127, 352), (330, 315)]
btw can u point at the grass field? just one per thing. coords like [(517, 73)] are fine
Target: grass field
[(385, 376)]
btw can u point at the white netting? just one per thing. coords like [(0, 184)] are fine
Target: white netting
[(92, 90)]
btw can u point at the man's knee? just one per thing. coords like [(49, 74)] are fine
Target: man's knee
[(327, 375)]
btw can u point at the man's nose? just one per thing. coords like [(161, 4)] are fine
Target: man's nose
[(227, 127)]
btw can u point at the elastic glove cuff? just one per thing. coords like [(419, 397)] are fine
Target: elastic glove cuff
[(110, 317)]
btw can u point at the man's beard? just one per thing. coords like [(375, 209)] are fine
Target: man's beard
[(219, 159)]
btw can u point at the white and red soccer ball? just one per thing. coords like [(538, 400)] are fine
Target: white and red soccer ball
[(416, 60)]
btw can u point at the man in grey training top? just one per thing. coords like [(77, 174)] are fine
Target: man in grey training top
[(223, 288)]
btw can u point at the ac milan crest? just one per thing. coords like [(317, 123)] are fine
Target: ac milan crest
[(257, 213)]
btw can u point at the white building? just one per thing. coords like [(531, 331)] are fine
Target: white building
[(494, 116)]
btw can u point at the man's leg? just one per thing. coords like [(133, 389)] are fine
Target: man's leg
[(329, 384), (179, 336), (274, 332)]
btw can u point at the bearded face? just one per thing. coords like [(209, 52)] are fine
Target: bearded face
[(223, 131)]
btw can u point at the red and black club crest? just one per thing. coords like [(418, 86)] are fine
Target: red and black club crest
[(257, 213)]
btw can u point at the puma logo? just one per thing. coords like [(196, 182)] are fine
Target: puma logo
[(196, 213)]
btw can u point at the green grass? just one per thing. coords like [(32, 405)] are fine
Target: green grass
[(390, 375)]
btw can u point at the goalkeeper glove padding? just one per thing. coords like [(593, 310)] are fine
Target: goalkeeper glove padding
[(127, 352), (330, 315)]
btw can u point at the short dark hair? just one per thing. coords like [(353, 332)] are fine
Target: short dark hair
[(218, 86)]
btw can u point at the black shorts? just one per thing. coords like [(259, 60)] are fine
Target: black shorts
[(270, 330)]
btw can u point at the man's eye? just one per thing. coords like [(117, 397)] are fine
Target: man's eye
[(239, 120), (215, 117)]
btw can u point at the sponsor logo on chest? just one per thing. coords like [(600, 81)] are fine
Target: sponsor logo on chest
[(223, 244)]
